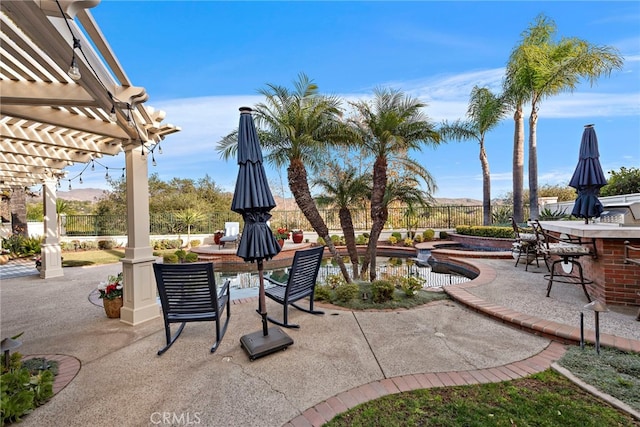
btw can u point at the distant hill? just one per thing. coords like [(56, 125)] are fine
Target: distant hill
[(80, 194), (458, 202)]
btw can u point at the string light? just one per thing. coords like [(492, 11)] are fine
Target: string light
[(153, 159), (106, 175)]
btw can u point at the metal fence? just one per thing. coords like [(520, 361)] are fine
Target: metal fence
[(435, 217)]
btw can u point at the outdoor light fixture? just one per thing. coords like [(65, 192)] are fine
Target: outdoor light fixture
[(598, 307), (153, 160), (106, 175), (130, 121), (74, 71), (112, 115)]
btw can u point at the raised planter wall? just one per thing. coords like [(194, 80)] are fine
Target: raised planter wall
[(482, 242)]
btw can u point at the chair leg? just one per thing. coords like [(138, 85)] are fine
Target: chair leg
[(220, 332), (170, 339), (552, 269), (584, 288), (285, 323)]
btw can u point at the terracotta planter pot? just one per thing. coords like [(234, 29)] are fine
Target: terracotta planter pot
[(217, 237), (281, 242), (297, 237), (112, 307)]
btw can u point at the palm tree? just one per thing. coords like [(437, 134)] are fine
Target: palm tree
[(484, 113), (190, 217), (390, 126), (542, 67), (343, 189), (516, 100), (298, 126)]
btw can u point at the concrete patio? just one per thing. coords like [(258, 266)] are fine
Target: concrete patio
[(337, 360)]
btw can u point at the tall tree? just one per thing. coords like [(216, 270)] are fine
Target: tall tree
[(390, 126), (543, 67), (484, 113), (344, 189), (298, 126)]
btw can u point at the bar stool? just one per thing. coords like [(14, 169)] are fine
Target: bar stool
[(568, 251), (524, 246)]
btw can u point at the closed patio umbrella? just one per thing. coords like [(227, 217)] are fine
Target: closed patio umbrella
[(253, 200), (588, 177)]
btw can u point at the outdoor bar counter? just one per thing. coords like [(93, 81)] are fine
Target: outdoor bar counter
[(614, 281)]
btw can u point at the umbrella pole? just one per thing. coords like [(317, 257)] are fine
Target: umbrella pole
[(262, 300)]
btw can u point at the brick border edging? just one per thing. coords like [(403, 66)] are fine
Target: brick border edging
[(326, 410), (68, 368)]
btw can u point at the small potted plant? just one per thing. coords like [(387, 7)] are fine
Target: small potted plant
[(281, 234), (111, 294), (297, 235)]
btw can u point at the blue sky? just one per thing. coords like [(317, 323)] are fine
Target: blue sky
[(202, 60)]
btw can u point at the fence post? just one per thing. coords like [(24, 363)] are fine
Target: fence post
[(449, 216)]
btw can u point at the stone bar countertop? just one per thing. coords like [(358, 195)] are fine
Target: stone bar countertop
[(592, 230)]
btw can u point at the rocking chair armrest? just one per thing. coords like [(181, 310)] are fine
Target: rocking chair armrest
[(275, 282), (224, 289)]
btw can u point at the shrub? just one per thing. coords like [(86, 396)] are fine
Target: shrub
[(180, 253), (170, 259), (485, 231), (347, 291), (320, 241), (444, 235), (382, 291), (362, 240), (410, 285), (428, 234), (105, 244), (419, 238), (547, 214), (334, 280), (191, 257), (408, 241), (393, 240), (322, 293), (397, 235), (195, 243), (21, 390), (337, 240)]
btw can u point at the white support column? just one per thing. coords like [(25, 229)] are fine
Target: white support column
[(140, 302), (51, 252)]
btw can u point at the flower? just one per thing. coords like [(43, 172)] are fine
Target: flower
[(112, 288), (281, 234), (297, 231), (219, 232)]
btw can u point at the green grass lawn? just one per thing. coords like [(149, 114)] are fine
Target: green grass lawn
[(544, 399)]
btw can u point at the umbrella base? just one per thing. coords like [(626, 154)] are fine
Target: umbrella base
[(258, 345)]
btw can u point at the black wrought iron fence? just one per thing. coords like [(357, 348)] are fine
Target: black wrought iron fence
[(436, 217)]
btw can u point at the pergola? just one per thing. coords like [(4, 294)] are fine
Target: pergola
[(65, 99)]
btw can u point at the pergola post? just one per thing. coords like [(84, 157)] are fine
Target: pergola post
[(140, 301), (51, 253)]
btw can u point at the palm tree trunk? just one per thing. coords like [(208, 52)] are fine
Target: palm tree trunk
[(518, 164), (533, 163), (297, 175), (346, 222), (486, 185), (379, 214)]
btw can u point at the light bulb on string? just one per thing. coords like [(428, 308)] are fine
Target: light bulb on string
[(159, 149), (80, 179), (93, 166), (153, 160), (122, 173), (69, 185), (112, 115), (106, 175), (74, 71)]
